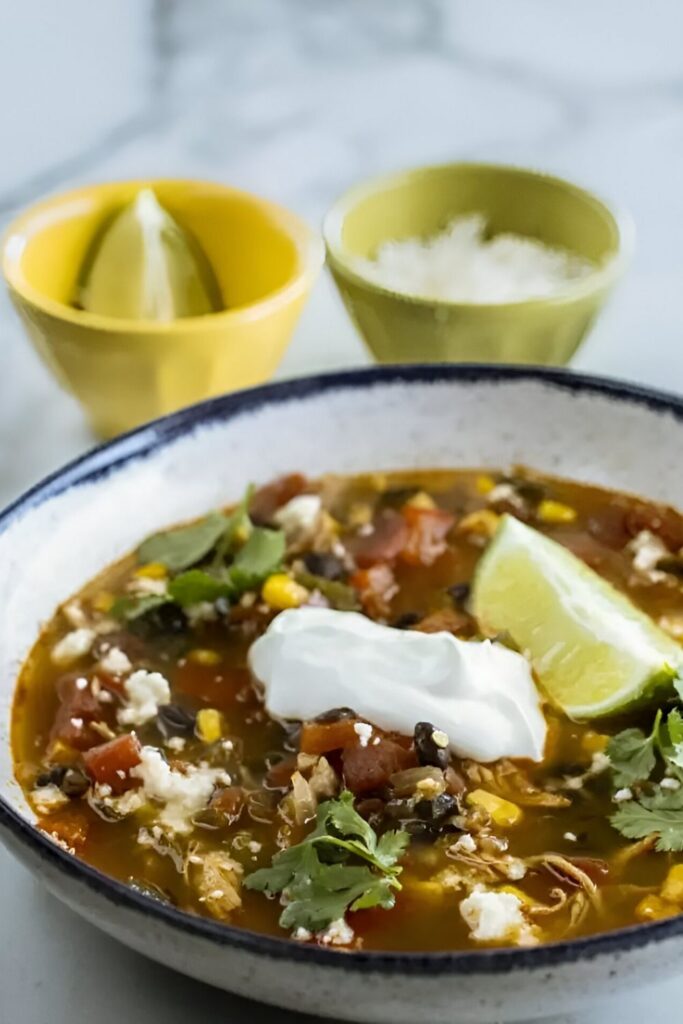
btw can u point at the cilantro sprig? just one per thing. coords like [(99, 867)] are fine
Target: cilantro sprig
[(235, 556), (341, 865), (639, 760)]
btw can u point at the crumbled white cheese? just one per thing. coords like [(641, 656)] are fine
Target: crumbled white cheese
[(465, 843), (338, 933), (203, 611), (669, 783), (622, 795), (571, 837), (147, 586), (74, 615), (176, 743), (647, 549), (116, 662), (299, 515), (145, 692), (463, 263), (363, 731), (302, 934), (505, 492), (254, 847), (600, 762), (48, 799), (120, 806), (182, 794), (73, 646), (495, 917), (515, 869)]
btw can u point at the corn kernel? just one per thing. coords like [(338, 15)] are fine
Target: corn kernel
[(594, 742), (281, 591), (421, 500), (152, 571), (503, 812), (654, 908), (550, 511), (209, 726), (103, 602), (204, 656), (672, 889), (480, 524), (484, 484)]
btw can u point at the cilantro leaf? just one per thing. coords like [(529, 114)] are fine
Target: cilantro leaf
[(195, 585), (391, 847), (130, 607), (661, 814), (671, 741), (318, 892), (340, 595), (238, 523), (183, 547), (632, 754), (258, 558)]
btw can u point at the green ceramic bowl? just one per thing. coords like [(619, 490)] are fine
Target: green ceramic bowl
[(402, 328)]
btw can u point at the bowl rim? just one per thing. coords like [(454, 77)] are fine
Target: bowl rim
[(107, 458), (308, 243), (602, 277)]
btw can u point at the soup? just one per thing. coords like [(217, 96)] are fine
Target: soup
[(416, 710)]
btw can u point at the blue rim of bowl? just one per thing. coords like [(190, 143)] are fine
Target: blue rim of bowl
[(601, 278), (108, 458)]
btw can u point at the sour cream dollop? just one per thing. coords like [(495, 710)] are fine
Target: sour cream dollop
[(481, 694)]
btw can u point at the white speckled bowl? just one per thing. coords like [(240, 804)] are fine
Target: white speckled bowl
[(66, 529)]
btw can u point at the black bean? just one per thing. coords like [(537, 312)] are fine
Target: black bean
[(324, 564), (459, 592), (336, 715), (174, 720), (427, 749), (529, 490), (437, 809), (406, 620), (167, 619), (75, 782), (52, 776)]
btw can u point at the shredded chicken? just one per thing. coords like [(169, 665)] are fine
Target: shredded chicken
[(508, 780), (218, 881)]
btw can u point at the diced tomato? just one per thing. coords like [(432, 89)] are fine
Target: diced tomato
[(376, 586), (110, 763), (228, 802), (79, 707), (69, 826), (369, 768), (268, 499), (322, 737), (427, 532), (279, 775), (388, 537)]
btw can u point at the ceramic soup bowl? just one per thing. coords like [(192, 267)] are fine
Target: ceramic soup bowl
[(63, 531)]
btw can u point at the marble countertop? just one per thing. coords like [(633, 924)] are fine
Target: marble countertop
[(297, 101)]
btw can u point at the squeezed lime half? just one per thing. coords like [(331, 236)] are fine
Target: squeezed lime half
[(145, 266), (592, 650)]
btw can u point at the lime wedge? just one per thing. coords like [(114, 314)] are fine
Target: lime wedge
[(144, 266), (593, 651)]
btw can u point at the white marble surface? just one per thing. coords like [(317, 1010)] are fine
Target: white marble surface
[(296, 100)]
